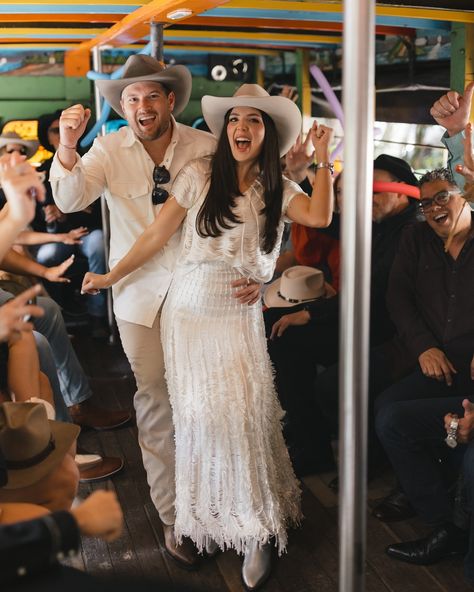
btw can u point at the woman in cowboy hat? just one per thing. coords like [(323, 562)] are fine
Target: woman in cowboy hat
[(235, 486)]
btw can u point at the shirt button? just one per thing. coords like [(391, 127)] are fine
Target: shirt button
[(21, 571), (449, 320), (71, 552), (60, 556), (453, 295)]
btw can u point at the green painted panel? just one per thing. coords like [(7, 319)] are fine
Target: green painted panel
[(458, 56)]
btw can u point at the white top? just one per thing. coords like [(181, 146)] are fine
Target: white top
[(119, 167), (240, 246)]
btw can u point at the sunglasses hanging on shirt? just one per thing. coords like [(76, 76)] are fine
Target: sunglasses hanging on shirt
[(161, 176)]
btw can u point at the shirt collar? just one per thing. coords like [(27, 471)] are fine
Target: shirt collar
[(130, 138)]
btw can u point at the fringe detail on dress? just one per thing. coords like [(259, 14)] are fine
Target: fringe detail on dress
[(234, 480)]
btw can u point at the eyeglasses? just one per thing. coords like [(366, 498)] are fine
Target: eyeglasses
[(161, 175), (440, 199), (54, 130), (21, 150)]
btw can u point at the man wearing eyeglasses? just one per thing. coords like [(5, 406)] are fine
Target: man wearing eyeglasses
[(134, 168), (431, 301)]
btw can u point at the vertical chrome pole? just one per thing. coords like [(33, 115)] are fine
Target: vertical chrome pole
[(358, 103), (156, 41), (97, 65)]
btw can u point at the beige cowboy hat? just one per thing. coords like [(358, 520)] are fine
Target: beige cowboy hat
[(143, 68), (30, 444), (283, 111), (297, 285), (31, 146)]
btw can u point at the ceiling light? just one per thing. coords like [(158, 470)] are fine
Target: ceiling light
[(180, 13)]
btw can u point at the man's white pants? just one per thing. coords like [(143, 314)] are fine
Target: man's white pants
[(142, 346)]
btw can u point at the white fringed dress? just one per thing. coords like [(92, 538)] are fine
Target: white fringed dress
[(234, 480)]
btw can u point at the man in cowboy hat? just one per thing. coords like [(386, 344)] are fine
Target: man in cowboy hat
[(308, 337), (134, 168), (12, 142)]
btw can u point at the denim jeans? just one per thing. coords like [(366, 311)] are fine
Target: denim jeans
[(74, 385), (92, 249)]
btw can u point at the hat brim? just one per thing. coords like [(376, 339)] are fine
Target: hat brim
[(273, 300), (285, 114), (176, 78), (64, 434), (30, 145)]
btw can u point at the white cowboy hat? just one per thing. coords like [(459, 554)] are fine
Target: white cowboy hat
[(283, 111), (31, 146), (143, 68), (297, 285)]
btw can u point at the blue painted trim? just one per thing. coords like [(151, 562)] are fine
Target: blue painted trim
[(68, 8), (333, 17)]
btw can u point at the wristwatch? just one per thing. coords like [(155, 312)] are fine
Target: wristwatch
[(451, 438)]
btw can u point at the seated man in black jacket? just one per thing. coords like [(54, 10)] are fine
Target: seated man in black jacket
[(310, 336), (431, 301)]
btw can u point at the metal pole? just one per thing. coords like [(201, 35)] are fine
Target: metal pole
[(97, 65), (358, 103), (156, 41)]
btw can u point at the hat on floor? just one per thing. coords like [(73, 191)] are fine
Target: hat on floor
[(31, 146), (283, 111), (144, 68), (297, 285), (30, 444)]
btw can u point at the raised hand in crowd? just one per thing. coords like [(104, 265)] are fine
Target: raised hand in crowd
[(467, 168), (56, 273), (289, 92), (100, 516), (465, 432), (434, 364), (22, 187), (298, 158), (452, 110), (15, 313), (74, 236)]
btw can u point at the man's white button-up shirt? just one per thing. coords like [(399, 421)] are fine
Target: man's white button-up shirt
[(119, 167)]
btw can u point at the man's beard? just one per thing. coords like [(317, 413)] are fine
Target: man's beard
[(153, 135)]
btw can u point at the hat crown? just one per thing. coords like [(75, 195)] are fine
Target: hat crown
[(11, 136), (24, 430), (254, 91), (139, 65), (302, 283)]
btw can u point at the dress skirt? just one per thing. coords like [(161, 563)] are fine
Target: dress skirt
[(234, 480)]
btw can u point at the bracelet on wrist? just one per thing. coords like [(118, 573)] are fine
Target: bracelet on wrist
[(326, 165), (68, 147)]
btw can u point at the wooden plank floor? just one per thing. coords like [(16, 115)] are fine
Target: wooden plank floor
[(311, 564)]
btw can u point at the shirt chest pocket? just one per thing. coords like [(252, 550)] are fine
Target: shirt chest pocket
[(131, 199), (431, 278)]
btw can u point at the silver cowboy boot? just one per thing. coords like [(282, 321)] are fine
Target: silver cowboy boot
[(212, 548), (257, 565)]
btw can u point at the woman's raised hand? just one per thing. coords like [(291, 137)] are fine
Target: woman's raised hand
[(321, 136), (93, 283), (467, 168)]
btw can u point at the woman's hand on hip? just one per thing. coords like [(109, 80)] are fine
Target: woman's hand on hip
[(248, 291)]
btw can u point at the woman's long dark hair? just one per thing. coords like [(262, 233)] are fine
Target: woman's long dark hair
[(216, 213)]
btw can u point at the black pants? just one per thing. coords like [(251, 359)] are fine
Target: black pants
[(326, 392), (295, 356), (410, 425)]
